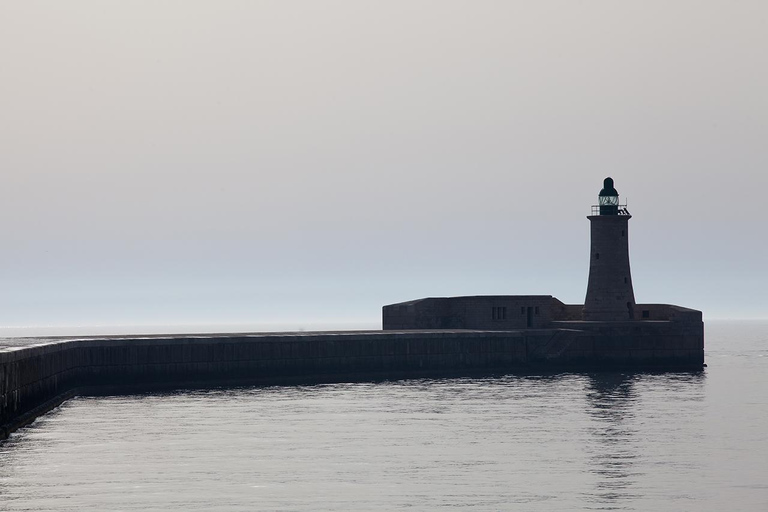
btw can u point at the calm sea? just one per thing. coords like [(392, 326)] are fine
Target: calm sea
[(610, 441)]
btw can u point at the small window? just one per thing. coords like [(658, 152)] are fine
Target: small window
[(503, 313), (498, 313), (626, 280), (646, 313), (597, 255)]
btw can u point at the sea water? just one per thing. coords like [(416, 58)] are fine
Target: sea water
[(572, 441)]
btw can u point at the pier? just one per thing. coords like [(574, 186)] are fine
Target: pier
[(37, 374)]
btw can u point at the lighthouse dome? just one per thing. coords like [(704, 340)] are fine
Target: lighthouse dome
[(608, 189)]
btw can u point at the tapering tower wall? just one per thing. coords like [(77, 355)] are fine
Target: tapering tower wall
[(609, 291)]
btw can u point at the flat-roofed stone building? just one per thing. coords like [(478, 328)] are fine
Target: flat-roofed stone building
[(484, 312)]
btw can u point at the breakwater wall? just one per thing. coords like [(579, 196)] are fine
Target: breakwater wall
[(37, 374)]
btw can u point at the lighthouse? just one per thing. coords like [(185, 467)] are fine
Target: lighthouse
[(610, 296), (608, 331)]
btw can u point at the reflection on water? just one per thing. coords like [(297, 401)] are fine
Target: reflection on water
[(613, 449), (554, 442)]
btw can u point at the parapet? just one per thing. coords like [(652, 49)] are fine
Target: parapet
[(667, 312), (484, 312), (511, 312)]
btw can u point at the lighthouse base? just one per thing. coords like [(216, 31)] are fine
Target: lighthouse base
[(660, 335)]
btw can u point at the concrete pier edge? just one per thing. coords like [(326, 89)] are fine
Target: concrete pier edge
[(37, 375)]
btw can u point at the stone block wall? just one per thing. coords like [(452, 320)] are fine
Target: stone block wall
[(35, 377), (648, 344), (32, 376), (491, 312), (566, 312)]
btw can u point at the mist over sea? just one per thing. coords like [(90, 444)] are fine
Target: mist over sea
[(603, 441)]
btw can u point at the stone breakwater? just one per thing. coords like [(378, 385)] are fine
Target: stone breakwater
[(38, 374)]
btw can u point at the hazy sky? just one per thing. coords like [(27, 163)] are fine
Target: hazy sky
[(170, 162)]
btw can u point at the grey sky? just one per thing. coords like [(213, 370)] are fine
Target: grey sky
[(297, 162)]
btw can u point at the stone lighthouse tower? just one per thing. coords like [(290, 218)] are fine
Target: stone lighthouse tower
[(609, 290)]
